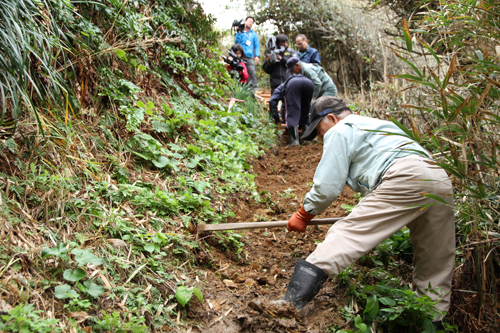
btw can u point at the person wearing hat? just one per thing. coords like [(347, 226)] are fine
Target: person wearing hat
[(323, 84), (296, 94), (397, 179)]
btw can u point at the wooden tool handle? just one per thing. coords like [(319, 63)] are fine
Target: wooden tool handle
[(255, 225)]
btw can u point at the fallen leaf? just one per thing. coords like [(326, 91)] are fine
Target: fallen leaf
[(249, 282), (287, 323), (4, 306), (117, 242), (256, 305), (262, 280), (79, 315)]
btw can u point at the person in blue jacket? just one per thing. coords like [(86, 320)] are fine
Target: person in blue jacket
[(251, 47), (306, 54)]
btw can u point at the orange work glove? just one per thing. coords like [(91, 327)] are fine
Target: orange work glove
[(298, 222)]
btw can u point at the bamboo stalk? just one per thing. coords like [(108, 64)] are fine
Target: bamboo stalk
[(479, 283), (493, 287)]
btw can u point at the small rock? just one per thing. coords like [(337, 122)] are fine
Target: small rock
[(230, 284)]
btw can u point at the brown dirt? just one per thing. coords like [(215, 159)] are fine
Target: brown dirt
[(238, 290)]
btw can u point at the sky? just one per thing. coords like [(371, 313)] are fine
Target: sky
[(224, 15)]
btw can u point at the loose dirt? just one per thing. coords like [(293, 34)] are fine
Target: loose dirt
[(238, 287)]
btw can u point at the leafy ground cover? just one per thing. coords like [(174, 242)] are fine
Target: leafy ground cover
[(121, 142)]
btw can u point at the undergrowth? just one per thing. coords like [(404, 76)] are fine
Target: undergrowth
[(105, 178)]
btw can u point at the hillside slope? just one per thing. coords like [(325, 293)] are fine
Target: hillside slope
[(121, 144)]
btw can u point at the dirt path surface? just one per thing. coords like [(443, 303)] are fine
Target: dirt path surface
[(238, 288)]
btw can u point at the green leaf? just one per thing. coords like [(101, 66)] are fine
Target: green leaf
[(150, 105), (358, 322), (390, 310), (140, 104), (75, 275), (59, 251), (93, 289), (413, 66), (64, 291), (149, 247), (83, 257), (142, 68), (431, 51), (193, 163), (161, 162), (371, 309), (200, 186), (121, 54), (403, 128), (183, 295), (198, 294), (387, 301), (410, 77)]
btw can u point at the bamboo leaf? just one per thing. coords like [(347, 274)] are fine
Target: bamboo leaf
[(431, 51), (451, 70), (407, 35), (435, 197), (411, 65), (403, 128), (444, 102), (459, 108)]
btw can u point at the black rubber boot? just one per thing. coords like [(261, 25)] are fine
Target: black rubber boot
[(293, 133), (305, 282), (304, 129), (439, 325)]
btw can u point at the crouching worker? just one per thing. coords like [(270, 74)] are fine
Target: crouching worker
[(393, 173), (323, 84), (296, 94), (234, 63)]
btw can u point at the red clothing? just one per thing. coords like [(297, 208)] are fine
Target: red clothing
[(243, 73)]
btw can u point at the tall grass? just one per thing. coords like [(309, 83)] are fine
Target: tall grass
[(33, 50)]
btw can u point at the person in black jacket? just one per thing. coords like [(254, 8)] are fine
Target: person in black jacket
[(296, 94), (277, 70)]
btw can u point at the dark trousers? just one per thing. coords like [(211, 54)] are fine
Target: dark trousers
[(279, 113), (252, 75), (298, 95)]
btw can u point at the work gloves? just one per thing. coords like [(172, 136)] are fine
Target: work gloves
[(298, 222)]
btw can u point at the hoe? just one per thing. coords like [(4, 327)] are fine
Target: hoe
[(255, 225)]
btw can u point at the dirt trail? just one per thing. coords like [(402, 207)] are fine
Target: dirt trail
[(237, 290)]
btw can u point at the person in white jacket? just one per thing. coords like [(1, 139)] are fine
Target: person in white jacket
[(400, 183)]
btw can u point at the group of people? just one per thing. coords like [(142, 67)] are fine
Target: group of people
[(296, 77), (389, 170)]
